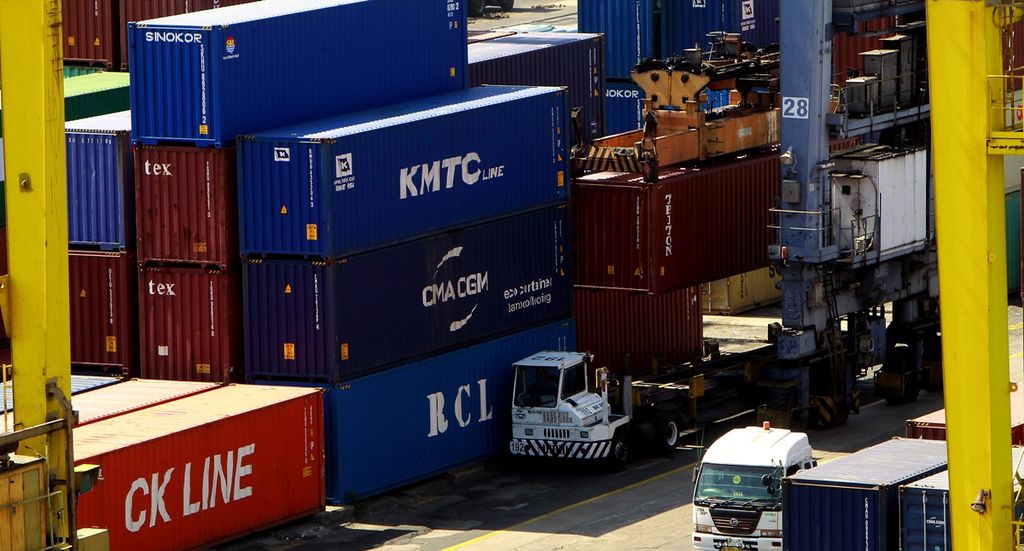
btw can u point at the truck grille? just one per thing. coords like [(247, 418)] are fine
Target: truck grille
[(557, 418), (562, 434), (745, 521)]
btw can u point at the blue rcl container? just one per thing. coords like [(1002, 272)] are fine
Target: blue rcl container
[(337, 320), (427, 417), (205, 77), (331, 188), (101, 182)]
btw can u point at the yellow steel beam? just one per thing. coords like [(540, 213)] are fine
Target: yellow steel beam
[(31, 77), (963, 44)]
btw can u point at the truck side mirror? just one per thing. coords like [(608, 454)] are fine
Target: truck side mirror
[(766, 480), (771, 490)]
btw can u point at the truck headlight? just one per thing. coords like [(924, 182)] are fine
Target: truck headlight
[(529, 432), (771, 533), (584, 434), (702, 528)]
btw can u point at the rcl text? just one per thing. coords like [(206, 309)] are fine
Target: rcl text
[(438, 420)]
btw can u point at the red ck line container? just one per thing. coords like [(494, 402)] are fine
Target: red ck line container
[(190, 324), (131, 395), (204, 469)]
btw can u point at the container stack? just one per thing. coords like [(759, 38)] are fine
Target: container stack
[(203, 78)]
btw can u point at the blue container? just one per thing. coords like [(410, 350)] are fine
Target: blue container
[(852, 503), (924, 512), (331, 321), (759, 22), (207, 76), (421, 419), (575, 61), (330, 188), (629, 29), (79, 384), (624, 107), (686, 23), (101, 182)]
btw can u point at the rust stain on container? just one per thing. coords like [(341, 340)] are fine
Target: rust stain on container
[(696, 224), (665, 327), (186, 205), (190, 324), (104, 314)]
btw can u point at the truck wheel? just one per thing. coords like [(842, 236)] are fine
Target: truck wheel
[(620, 453), (476, 7), (668, 433)]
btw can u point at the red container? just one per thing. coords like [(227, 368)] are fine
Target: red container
[(191, 328), (933, 425), (104, 315), (89, 35), (141, 10), (206, 468), (846, 48), (666, 327), (186, 205), (696, 224), (128, 396), (4, 269)]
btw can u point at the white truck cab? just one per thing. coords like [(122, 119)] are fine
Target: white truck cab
[(555, 415), (737, 501)]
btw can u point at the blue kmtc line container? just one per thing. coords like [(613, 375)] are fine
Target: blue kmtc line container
[(852, 503), (330, 188), (337, 320), (206, 77), (420, 419), (101, 182)]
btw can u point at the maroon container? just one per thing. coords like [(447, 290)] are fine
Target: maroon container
[(141, 10), (191, 329), (104, 315), (666, 327), (3, 270), (846, 49), (89, 35), (186, 203), (933, 425), (696, 224)]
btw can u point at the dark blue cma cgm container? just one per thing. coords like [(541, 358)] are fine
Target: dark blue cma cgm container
[(337, 320), (420, 419), (101, 182), (575, 61), (852, 503), (330, 188), (686, 23), (629, 27), (924, 506), (208, 76)]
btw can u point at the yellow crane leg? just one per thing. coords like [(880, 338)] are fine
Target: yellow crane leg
[(31, 78), (963, 49)]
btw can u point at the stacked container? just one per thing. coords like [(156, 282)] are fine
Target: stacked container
[(101, 236), (203, 78)]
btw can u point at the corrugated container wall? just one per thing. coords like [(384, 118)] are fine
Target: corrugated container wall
[(330, 321), (740, 293), (759, 22), (190, 324), (685, 23), (80, 384), (101, 187), (131, 395), (427, 402), (665, 327), (354, 183), (629, 29), (623, 107), (141, 10), (187, 205), (575, 61), (89, 32), (846, 49), (852, 503), (696, 224), (246, 68), (206, 468), (104, 311), (933, 425)]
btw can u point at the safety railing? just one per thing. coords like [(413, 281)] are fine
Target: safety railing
[(824, 226)]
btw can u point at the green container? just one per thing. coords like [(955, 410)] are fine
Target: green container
[(76, 71), (1013, 240), (95, 94)]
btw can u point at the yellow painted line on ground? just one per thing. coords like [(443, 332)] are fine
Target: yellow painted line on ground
[(1017, 326), (571, 507)]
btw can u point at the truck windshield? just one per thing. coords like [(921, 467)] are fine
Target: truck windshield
[(536, 386), (733, 484)]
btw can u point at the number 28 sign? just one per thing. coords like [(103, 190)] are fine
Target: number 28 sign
[(795, 108)]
